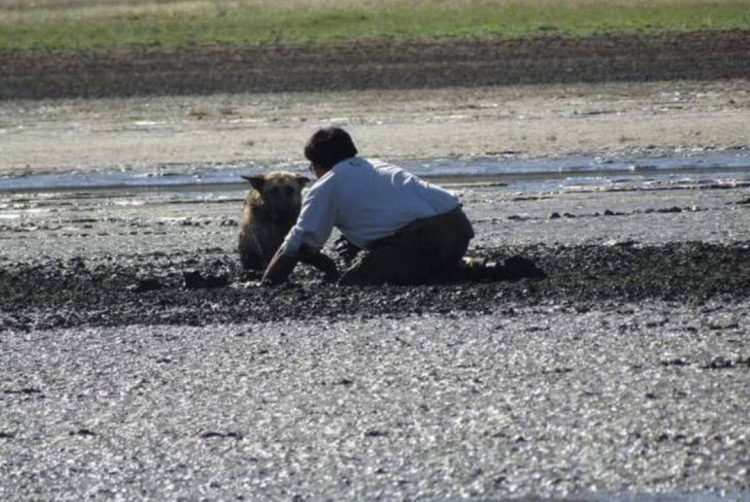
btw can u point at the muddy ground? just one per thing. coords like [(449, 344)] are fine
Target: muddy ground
[(137, 360), (550, 401), (115, 258)]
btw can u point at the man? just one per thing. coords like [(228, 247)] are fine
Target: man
[(411, 231)]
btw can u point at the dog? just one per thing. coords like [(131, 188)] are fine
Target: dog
[(270, 210)]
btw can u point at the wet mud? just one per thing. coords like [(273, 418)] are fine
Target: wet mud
[(120, 258), (138, 360), (614, 400), (210, 287)]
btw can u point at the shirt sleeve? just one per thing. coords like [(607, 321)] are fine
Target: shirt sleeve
[(316, 219)]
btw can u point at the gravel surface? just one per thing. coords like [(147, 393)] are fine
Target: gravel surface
[(549, 401)]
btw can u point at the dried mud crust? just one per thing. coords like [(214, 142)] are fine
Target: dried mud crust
[(200, 289), (702, 55)]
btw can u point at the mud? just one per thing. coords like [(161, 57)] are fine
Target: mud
[(119, 258), (622, 401), (209, 288), (139, 363)]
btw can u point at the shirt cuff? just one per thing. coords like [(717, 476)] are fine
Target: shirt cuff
[(292, 243)]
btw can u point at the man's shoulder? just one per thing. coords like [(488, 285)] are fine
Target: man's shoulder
[(384, 166), (357, 169), (350, 170), (352, 164)]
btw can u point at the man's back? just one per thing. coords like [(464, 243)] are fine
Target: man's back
[(374, 199)]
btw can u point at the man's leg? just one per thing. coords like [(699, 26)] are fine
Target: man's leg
[(391, 263), (424, 252)]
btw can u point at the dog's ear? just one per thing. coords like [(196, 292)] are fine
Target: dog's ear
[(302, 180), (256, 181)]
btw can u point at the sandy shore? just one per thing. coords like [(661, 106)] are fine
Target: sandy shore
[(167, 134), (548, 401)]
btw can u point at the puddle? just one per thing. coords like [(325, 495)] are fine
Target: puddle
[(547, 174), (698, 496)]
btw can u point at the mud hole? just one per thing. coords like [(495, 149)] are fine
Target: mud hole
[(181, 288)]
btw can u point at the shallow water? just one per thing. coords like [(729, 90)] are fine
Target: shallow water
[(697, 496), (728, 168)]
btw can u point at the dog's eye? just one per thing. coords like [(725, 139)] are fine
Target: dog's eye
[(289, 191)]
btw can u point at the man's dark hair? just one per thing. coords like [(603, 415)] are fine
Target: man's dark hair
[(329, 146)]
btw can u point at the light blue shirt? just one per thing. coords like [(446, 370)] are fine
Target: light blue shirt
[(366, 200)]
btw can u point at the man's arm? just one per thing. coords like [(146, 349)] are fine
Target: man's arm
[(281, 265), (313, 227)]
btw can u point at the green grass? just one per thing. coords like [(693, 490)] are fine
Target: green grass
[(115, 23)]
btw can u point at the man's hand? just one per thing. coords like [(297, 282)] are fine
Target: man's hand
[(346, 250), (320, 261), (279, 268)]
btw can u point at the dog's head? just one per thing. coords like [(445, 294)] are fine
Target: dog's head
[(280, 191)]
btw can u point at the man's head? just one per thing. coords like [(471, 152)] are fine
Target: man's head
[(329, 146)]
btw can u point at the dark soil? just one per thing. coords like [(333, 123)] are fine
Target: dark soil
[(181, 288), (138, 71)]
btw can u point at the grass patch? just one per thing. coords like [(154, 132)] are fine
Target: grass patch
[(74, 24)]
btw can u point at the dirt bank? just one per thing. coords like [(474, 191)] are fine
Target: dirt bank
[(374, 65)]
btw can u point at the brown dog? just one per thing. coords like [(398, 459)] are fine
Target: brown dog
[(270, 210)]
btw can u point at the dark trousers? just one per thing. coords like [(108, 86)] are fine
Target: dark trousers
[(421, 252)]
